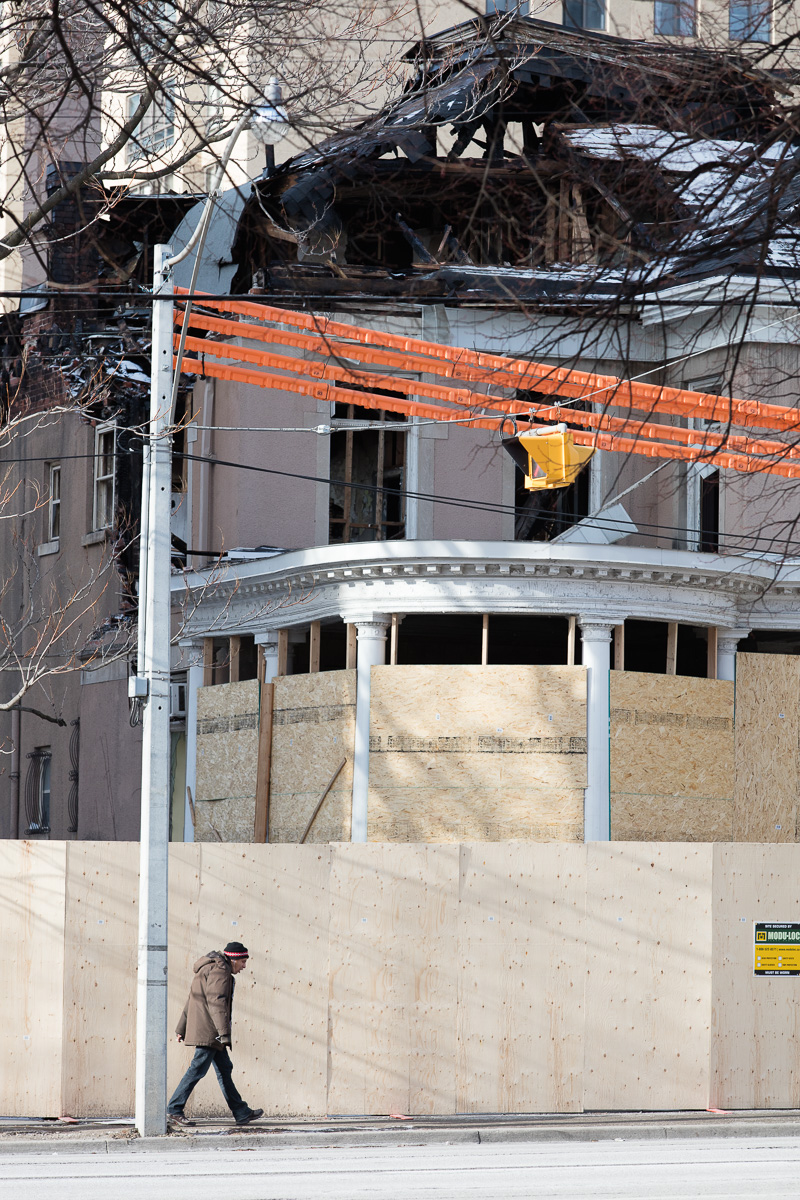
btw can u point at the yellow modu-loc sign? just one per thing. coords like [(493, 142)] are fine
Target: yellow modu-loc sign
[(777, 948)]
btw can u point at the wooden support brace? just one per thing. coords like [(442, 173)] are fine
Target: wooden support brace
[(264, 764), (351, 651), (571, 638), (208, 662), (321, 800), (314, 647), (672, 648), (283, 652), (485, 641), (234, 650), (262, 665), (711, 666), (619, 647)]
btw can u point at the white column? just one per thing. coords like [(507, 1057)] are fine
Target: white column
[(194, 681), (371, 652), (151, 992), (596, 641), (727, 641), (269, 645)]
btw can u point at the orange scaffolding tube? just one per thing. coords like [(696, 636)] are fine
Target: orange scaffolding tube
[(478, 367)]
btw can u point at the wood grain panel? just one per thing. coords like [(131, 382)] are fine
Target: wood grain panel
[(648, 982), (393, 979), (755, 1053), (767, 748), (521, 984), (274, 899), (100, 978), (32, 888)]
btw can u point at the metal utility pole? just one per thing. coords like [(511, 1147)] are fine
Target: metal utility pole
[(150, 684), (154, 670)]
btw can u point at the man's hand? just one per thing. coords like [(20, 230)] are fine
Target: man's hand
[(178, 1038)]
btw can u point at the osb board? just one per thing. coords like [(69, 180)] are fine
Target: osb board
[(671, 757), (477, 753), (522, 959), (755, 1054), (767, 747), (394, 979), (648, 978), (275, 900), (233, 820), (32, 882), (313, 730), (101, 932), (227, 741), (638, 818)]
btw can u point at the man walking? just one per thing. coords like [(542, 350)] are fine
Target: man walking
[(206, 1024)]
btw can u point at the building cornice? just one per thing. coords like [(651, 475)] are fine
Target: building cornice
[(465, 576)]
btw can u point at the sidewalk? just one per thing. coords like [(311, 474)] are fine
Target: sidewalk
[(18, 1135)]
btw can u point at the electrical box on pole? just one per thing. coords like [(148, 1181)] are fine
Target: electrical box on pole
[(549, 457)]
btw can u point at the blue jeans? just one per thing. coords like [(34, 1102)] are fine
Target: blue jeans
[(204, 1056)]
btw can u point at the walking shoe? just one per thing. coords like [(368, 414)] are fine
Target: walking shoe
[(252, 1115), (180, 1119)]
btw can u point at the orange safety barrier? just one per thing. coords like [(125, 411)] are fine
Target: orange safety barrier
[(708, 441), (478, 367), (603, 441)]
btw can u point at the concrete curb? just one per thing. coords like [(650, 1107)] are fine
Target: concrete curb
[(490, 1133)]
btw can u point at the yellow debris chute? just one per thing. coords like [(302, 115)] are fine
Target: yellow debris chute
[(549, 457)]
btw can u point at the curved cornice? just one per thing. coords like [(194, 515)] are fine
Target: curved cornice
[(609, 582)]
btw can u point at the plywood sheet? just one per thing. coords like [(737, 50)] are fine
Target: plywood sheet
[(671, 757), (185, 947), (32, 880), (648, 981), (755, 1053), (523, 962), (767, 747), (393, 979), (100, 978), (477, 753), (227, 740), (313, 730), (274, 899)]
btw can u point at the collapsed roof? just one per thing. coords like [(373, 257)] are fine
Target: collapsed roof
[(523, 157)]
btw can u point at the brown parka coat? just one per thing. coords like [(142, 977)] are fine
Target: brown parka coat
[(206, 1017)]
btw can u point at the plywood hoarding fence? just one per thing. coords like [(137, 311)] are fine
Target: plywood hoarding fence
[(503, 977)]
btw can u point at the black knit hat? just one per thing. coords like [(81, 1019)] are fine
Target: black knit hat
[(236, 950)]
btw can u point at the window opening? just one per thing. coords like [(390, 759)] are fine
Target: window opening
[(541, 516), (675, 18), (584, 14), (156, 130), (37, 790), (503, 6), (104, 448), (375, 457), (749, 20), (709, 513), (54, 511)]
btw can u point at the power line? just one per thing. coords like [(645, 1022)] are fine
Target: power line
[(648, 528)]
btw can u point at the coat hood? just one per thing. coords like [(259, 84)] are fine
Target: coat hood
[(213, 956)]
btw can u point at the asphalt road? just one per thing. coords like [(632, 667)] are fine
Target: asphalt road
[(695, 1167)]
